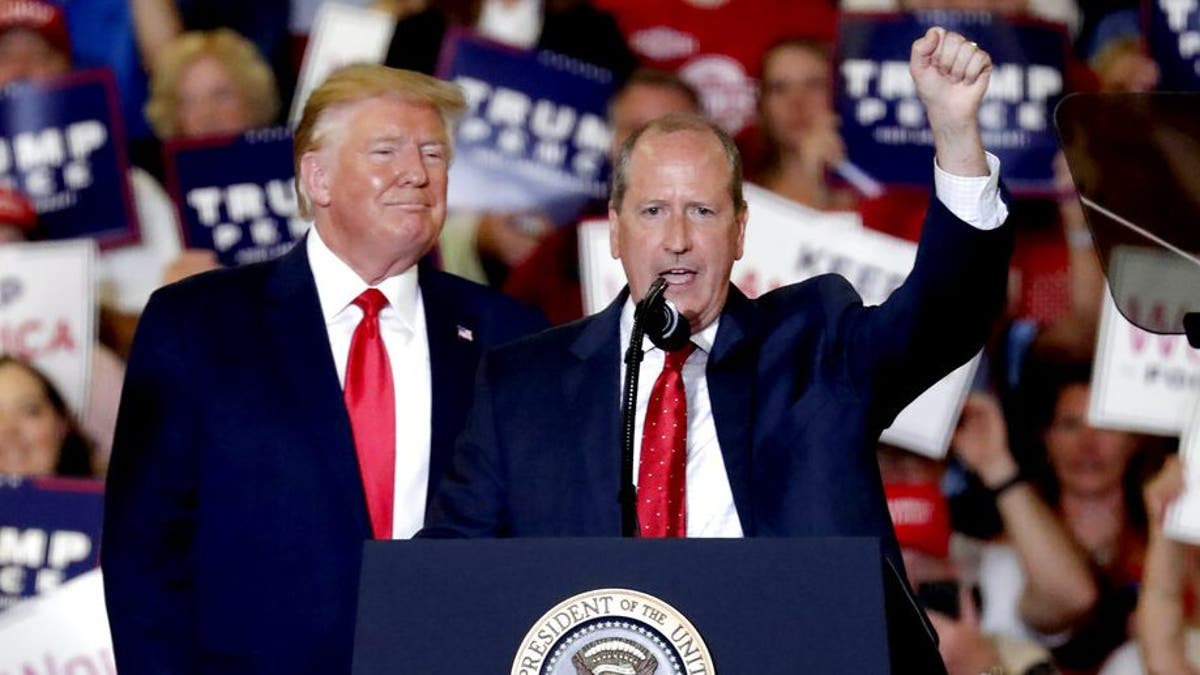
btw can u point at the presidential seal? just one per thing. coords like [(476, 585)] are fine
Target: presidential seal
[(613, 631)]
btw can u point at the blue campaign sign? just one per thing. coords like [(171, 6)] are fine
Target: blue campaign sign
[(236, 195), (884, 124), (63, 145), (535, 136), (1173, 33), (49, 533)]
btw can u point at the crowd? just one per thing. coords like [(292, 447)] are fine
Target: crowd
[(1038, 541)]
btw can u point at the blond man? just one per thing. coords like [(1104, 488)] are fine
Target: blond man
[(277, 416)]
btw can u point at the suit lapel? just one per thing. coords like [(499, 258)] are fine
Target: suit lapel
[(454, 352), (731, 376), (591, 384), (301, 346)]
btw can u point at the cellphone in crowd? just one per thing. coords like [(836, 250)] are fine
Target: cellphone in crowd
[(942, 597)]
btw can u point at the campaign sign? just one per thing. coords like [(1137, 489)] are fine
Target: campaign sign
[(884, 124), (1182, 521), (1173, 33), (48, 311), (63, 632), (49, 532), (236, 194), (535, 136), (342, 34), (1142, 381), (62, 145), (786, 243)]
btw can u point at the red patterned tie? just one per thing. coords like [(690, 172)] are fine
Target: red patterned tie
[(662, 471), (371, 403)]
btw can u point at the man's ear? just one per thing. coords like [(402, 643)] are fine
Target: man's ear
[(740, 224), (614, 236), (314, 176)]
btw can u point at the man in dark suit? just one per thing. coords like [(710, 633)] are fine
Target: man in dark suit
[(244, 481), (785, 395)]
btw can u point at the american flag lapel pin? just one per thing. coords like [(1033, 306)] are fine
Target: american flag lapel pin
[(465, 333)]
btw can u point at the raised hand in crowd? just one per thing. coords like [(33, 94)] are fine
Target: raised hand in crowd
[(1169, 575), (964, 646), (1059, 585)]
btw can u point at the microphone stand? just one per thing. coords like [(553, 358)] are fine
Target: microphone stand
[(633, 362)]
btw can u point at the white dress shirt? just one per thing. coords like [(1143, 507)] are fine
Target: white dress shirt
[(710, 508), (402, 325)]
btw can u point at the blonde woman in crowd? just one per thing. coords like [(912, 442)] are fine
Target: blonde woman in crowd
[(210, 82)]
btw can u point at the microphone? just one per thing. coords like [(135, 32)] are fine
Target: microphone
[(669, 330), (666, 327)]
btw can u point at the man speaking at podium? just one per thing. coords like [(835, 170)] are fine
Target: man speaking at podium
[(765, 422)]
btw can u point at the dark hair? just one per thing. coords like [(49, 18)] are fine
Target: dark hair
[(1044, 377), (75, 453)]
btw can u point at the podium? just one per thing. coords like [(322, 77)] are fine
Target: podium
[(531, 606)]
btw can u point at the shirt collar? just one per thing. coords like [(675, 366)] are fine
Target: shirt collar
[(704, 339), (338, 285)]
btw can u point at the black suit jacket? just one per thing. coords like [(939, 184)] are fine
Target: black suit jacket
[(235, 515)]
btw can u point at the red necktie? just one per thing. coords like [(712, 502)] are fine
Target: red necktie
[(662, 471), (371, 403)]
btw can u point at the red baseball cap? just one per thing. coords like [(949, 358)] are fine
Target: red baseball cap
[(920, 516), (44, 18)]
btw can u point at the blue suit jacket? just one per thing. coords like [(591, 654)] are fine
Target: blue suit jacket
[(802, 381), (235, 515)]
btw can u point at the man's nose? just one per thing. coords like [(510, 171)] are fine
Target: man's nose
[(410, 168), (678, 235)]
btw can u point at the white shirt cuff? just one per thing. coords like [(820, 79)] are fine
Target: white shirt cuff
[(974, 199)]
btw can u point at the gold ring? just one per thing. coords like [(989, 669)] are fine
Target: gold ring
[(975, 45)]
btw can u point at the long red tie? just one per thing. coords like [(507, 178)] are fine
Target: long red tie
[(662, 471), (371, 403)]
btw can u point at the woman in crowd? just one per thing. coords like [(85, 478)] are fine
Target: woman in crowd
[(207, 83), (802, 145), (210, 82), (1091, 480), (38, 436)]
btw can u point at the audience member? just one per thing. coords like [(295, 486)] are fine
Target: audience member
[(38, 436), (948, 592), (1091, 480), (210, 83), (1056, 586), (98, 419), (798, 125), (1168, 624), (129, 273)]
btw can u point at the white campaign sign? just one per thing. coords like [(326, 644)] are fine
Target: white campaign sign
[(1183, 516), (48, 311), (1141, 381), (64, 631), (787, 243), (341, 35)]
